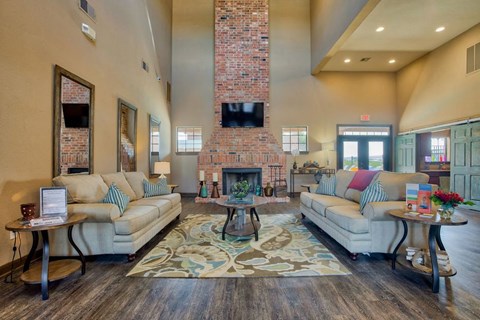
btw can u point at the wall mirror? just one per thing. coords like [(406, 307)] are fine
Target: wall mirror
[(73, 123), (154, 142), (126, 137)]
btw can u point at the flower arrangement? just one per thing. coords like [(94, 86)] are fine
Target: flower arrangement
[(448, 199), (240, 189)]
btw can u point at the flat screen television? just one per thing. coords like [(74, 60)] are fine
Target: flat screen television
[(242, 114), (76, 115)]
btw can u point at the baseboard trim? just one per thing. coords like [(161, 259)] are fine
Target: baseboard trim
[(18, 263)]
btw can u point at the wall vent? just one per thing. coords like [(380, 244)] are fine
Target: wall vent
[(473, 58), (87, 8), (366, 59)]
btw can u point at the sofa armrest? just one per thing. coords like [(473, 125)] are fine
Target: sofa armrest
[(377, 211), (96, 212)]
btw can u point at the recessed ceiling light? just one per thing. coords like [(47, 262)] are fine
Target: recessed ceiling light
[(347, 60), (440, 29), (392, 61), (380, 29)]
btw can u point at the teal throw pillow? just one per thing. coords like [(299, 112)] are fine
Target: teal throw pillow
[(117, 197), (326, 185), (373, 193), (156, 189)]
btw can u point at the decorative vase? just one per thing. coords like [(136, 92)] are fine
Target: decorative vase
[(295, 166), (204, 191), (268, 190), (446, 211), (28, 211), (258, 190)]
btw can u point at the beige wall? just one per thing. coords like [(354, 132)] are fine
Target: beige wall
[(160, 12), (192, 81), (435, 89), (35, 36)]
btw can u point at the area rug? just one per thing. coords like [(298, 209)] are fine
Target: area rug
[(195, 249)]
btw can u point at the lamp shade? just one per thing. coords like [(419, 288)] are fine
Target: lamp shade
[(161, 168)]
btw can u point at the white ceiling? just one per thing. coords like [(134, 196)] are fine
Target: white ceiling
[(409, 33)]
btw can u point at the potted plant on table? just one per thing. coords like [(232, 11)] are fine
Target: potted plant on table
[(448, 201), (240, 189)]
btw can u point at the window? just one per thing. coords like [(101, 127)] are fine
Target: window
[(364, 147), (439, 148), (295, 138), (189, 139)]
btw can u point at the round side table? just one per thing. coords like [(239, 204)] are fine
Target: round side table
[(435, 223), (55, 270)]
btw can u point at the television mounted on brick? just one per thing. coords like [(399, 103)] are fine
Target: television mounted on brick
[(242, 114)]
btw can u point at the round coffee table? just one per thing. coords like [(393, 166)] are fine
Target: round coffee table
[(239, 226), (435, 223), (45, 272)]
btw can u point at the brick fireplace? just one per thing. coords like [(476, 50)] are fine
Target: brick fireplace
[(241, 75)]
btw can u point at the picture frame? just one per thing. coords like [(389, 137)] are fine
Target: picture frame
[(53, 202)]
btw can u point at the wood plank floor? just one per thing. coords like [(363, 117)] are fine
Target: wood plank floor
[(373, 291)]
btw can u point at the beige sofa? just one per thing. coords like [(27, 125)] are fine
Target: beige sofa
[(375, 230), (106, 230)]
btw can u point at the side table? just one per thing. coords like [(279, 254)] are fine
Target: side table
[(434, 239), (45, 272)]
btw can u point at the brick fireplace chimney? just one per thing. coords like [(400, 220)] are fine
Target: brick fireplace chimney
[(242, 74)]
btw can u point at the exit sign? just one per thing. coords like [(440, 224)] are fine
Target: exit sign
[(365, 117)]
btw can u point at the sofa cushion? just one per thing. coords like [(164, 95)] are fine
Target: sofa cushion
[(352, 194), (135, 218), (394, 183), (135, 180), (117, 197), (373, 193), (174, 198), (82, 188), (342, 180), (119, 179), (163, 205), (326, 185), (362, 179), (306, 199), (321, 202), (155, 189), (348, 218)]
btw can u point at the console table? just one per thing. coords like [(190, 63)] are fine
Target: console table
[(434, 239), (49, 271)]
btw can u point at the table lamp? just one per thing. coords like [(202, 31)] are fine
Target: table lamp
[(161, 168)]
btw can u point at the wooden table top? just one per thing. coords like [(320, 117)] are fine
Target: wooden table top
[(455, 220), (19, 226)]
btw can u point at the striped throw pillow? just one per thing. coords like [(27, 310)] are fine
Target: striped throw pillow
[(373, 193), (117, 197), (156, 189), (326, 185)]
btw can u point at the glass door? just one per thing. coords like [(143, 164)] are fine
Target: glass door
[(364, 148)]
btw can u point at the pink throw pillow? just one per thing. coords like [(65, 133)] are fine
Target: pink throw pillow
[(362, 179)]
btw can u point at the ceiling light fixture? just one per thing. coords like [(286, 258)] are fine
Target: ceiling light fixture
[(380, 29), (391, 61), (440, 29), (347, 60)]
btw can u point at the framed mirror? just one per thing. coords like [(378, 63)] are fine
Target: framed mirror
[(73, 123), (126, 137), (154, 143)]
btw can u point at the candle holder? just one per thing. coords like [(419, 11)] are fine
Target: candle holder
[(215, 193), (200, 189)]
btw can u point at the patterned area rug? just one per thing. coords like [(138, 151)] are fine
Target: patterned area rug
[(195, 249)]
